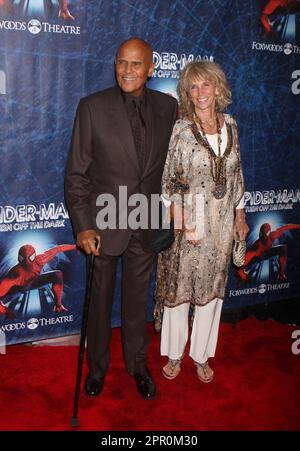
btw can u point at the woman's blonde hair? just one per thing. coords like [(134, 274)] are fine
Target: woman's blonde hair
[(205, 70)]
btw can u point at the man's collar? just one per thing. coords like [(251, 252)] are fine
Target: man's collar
[(128, 97)]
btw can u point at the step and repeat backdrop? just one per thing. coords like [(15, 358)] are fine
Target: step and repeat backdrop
[(52, 53)]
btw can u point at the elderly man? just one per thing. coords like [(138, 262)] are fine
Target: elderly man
[(120, 139)]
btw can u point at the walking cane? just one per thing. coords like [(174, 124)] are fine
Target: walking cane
[(74, 420)]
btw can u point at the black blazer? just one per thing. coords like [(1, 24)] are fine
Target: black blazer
[(103, 157)]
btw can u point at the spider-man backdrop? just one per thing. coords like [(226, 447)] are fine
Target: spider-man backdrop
[(54, 52)]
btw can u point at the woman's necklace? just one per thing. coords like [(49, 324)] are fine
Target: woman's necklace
[(217, 166)]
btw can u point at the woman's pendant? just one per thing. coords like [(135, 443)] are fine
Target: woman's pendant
[(218, 164), (219, 191)]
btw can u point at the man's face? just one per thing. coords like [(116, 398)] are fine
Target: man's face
[(134, 65)]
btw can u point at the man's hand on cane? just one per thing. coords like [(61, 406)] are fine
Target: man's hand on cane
[(86, 242)]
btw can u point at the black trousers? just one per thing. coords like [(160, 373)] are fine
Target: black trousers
[(137, 268)]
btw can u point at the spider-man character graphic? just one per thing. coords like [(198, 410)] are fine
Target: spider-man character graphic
[(64, 13), (28, 275), (273, 6), (7, 5), (262, 249)]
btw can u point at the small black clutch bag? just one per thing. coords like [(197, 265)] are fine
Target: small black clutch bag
[(163, 239)]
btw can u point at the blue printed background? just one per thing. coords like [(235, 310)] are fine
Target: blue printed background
[(47, 74)]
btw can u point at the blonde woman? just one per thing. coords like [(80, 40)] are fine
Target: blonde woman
[(204, 161)]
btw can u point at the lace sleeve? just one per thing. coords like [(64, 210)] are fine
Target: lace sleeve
[(173, 180), (239, 179)]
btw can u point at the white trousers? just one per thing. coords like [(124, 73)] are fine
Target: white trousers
[(204, 335)]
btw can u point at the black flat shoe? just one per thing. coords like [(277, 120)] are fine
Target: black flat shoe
[(145, 384), (93, 387)]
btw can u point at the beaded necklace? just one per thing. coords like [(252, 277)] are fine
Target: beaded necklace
[(217, 162)]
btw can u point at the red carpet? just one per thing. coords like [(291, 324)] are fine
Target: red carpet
[(256, 387)]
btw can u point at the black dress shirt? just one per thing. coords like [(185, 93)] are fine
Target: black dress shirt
[(139, 115)]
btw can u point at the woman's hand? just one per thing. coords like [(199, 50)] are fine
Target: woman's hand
[(240, 225), (182, 225), (180, 217)]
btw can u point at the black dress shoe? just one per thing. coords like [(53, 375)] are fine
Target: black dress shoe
[(145, 384), (93, 387)]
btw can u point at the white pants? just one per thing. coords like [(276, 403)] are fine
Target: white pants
[(204, 336)]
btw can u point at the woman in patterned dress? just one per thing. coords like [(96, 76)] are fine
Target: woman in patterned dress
[(203, 179)]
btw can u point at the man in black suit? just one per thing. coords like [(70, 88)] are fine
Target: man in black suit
[(120, 139)]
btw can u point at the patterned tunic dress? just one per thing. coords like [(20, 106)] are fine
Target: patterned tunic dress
[(198, 273)]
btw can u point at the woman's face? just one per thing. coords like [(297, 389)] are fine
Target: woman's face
[(203, 94)]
